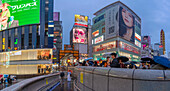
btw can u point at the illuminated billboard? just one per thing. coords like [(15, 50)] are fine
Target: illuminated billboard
[(99, 39), (79, 35), (81, 20), (15, 13), (126, 24), (95, 33)]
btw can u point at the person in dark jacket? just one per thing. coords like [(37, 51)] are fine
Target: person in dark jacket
[(114, 62)]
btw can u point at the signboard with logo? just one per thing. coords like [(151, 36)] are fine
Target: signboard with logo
[(99, 39), (104, 46), (95, 33), (129, 48), (81, 20)]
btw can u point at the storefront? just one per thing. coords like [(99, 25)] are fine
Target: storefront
[(121, 48), (34, 61)]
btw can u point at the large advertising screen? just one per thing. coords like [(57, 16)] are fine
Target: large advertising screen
[(126, 24), (79, 35), (80, 19), (15, 13)]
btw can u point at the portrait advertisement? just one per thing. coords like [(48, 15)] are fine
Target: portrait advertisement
[(15, 13), (126, 25), (79, 35)]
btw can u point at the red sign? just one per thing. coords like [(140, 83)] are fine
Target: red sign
[(80, 24), (129, 48)]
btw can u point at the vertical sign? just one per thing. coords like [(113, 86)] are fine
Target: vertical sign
[(112, 23), (81, 77)]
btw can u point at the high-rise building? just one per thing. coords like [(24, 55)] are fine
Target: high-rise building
[(26, 37), (79, 35), (162, 40), (146, 46), (58, 36), (116, 28)]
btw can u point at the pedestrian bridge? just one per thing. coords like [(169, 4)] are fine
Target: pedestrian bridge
[(101, 79), (119, 79)]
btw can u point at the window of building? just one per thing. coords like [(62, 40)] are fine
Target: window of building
[(103, 30)]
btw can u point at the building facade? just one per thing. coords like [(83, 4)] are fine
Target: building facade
[(79, 36), (146, 46), (58, 36), (26, 43), (162, 40), (113, 32)]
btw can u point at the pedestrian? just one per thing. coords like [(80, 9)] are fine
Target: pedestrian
[(62, 76), (121, 64), (87, 63), (107, 63), (114, 62), (95, 64), (2, 80)]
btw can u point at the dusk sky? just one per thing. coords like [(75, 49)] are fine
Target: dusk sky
[(155, 15)]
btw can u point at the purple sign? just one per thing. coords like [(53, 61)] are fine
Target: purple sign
[(56, 16)]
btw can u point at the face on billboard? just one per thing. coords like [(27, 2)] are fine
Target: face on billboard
[(17, 13), (81, 19), (126, 24), (79, 35)]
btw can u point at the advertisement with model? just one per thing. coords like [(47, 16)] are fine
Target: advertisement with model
[(15, 13), (126, 24), (79, 35)]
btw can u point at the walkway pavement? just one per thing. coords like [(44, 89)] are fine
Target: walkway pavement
[(65, 86)]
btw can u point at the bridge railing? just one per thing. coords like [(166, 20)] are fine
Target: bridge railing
[(119, 79), (40, 83)]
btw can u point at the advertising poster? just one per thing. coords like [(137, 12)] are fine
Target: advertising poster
[(79, 35), (146, 40), (126, 25), (111, 23), (56, 16), (15, 13), (80, 19)]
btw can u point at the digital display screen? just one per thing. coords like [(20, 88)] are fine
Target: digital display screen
[(15, 13), (79, 35), (80, 19)]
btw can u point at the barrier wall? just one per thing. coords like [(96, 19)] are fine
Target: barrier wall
[(119, 79), (40, 83)]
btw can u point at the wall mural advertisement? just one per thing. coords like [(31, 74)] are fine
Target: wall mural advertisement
[(79, 35), (111, 23), (126, 24), (15, 13)]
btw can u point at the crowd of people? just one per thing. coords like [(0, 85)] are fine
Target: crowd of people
[(115, 62)]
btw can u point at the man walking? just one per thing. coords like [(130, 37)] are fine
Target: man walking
[(114, 62)]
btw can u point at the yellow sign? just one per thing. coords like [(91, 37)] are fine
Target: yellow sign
[(46, 81), (81, 77), (3, 43)]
